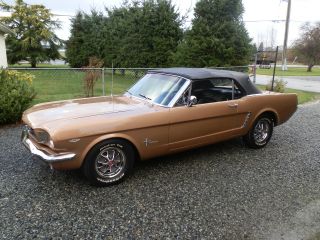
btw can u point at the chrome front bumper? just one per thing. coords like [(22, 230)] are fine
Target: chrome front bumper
[(42, 155)]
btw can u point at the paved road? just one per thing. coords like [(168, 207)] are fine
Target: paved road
[(224, 191), (311, 83)]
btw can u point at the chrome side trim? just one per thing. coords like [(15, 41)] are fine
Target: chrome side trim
[(246, 120), (41, 154), (148, 141)]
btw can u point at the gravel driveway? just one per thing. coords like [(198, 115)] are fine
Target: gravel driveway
[(224, 191)]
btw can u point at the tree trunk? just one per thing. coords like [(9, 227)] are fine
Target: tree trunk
[(310, 67), (33, 63)]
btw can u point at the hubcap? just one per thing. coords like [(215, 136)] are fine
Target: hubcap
[(262, 131), (110, 162)]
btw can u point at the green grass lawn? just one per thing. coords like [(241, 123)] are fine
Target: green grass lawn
[(39, 65), (303, 96), (290, 72), (55, 84)]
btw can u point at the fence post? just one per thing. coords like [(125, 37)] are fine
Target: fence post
[(255, 68), (103, 83), (112, 72)]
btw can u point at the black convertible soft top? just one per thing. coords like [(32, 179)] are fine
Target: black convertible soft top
[(195, 74)]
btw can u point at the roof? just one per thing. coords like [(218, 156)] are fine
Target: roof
[(200, 73), (206, 73), (5, 29)]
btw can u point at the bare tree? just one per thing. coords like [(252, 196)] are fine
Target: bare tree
[(92, 75), (307, 47), (273, 36)]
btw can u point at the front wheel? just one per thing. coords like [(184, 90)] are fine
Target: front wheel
[(109, 162), (260, 134)]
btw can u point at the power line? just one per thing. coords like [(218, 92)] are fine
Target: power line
[(272, 20), (269, 20), (257, 21), (278, 21)]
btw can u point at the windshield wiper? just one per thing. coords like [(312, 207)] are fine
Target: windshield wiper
[(145, 97)]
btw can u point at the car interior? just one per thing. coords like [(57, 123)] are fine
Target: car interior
[(212, 90), (215, 90)]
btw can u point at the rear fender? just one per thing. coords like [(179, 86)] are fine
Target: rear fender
[(261, 112)]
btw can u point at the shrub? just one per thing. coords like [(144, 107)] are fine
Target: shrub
[(16, 93), (278, 86)]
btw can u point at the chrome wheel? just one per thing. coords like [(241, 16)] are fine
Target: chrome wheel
[(262, 131), (110, 162)]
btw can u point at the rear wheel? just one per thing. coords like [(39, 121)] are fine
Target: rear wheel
[(261, 132), (109, 162)]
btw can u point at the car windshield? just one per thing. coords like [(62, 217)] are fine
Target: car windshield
[(158, 88)]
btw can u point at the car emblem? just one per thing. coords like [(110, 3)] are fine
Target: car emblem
[(148, 141)]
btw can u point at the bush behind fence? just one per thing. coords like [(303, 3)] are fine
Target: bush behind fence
[(52, 84)]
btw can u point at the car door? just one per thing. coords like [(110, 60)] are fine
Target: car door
[(204, 123)]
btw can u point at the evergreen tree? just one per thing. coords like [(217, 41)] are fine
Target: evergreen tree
[(143, 34), (87, 38), (34, 40), (137, 34), (217, 38)]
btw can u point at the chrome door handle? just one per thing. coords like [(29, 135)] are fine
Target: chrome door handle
[(233, 105)]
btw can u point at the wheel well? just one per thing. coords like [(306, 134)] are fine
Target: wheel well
[(272, 115), (136, 152)]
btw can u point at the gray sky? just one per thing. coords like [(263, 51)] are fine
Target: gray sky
[(255, 10)]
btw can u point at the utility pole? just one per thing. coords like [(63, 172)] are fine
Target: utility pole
[(284, 51), (274, 68)]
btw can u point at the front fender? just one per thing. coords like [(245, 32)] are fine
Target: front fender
[(106, 137)]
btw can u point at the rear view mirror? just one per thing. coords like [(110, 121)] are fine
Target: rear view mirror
[(192, 101)]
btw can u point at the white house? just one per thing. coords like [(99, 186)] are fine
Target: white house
[(3, 55)]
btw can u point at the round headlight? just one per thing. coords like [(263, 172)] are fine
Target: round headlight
[(42, 136)]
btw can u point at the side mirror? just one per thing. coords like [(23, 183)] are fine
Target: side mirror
[(192, 101)]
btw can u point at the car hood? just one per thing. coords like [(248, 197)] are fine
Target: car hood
[(80, 108)]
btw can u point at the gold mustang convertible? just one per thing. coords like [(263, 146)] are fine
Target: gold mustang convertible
[(166, 111)]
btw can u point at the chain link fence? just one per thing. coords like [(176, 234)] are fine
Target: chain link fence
[(53, 84)]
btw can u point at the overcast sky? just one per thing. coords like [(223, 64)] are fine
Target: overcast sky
[(255, 12)]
